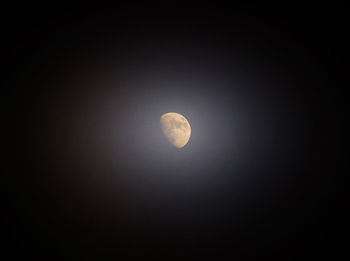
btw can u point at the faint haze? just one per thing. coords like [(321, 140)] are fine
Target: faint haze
[(91, 172), (102, 126)]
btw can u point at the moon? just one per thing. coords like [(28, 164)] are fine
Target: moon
[(176, 128)]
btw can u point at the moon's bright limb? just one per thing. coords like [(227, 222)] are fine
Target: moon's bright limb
[(176, 128)]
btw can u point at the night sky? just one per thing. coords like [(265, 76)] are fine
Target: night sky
[(89, 174)]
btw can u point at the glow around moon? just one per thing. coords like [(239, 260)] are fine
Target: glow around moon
[(176, 128)]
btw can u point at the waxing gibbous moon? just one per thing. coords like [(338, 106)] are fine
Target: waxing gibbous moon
[(176, 128)]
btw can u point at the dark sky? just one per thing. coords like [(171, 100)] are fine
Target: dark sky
[(89, 174)]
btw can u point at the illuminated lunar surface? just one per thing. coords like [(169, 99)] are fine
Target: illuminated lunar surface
[(176, 128)]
